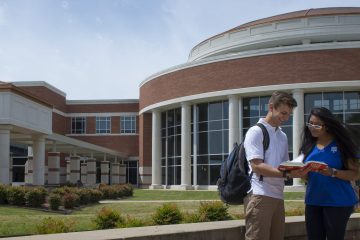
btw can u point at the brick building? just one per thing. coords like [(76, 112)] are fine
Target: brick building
[(187, 117)]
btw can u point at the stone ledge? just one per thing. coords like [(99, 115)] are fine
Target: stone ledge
[(224, 230)]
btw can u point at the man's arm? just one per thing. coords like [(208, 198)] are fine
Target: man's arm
[(261, 168)]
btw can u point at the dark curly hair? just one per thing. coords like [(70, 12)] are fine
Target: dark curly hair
[(348, 149)]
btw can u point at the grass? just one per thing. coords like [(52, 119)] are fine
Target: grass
[(23, 221)]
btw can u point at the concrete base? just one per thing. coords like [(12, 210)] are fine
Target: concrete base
[(153, 187)]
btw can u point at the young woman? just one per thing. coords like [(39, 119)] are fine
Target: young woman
[(330, 198)]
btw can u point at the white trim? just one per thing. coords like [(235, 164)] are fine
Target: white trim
[(102, 114), (101, 134), (102, 101), (336, 27), (39, 84), (307, 87), (255, 53)]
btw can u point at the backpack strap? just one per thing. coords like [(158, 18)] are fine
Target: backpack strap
[(266, 142)]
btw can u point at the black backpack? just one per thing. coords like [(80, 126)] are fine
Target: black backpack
[(235, 181)]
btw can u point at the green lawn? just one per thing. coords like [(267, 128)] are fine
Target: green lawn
[(22, 221)]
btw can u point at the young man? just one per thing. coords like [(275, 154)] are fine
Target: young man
[(264, 205)]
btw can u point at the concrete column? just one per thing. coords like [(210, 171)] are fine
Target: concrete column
[(233, 121), (83, 171), (5, 156), (105, 172), (115, 173), (39, 160), (53, 168), (156, 150), (91, 171), (298, 126), (74, 169), (68, 169), (185, 146), (122, 173), (29, 167)]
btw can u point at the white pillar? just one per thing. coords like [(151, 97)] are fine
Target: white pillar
[(74, 169), (5, 156), (195, 145), (104, 172), (91, 171), (115, 173), (298, 126), (185, 146), (233, 121), (241, 119), (39, 160), (53, 168), (156, 150), (29, 170)]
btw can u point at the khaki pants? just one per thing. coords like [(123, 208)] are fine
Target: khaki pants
[(264, 218)]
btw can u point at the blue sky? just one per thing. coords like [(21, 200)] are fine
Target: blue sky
[(103, 49)]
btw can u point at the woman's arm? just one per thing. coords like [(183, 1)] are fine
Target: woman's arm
[(351, 174)]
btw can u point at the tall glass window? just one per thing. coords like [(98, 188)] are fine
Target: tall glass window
[(128, 124), (78, 125), (344, 105), (171, 147), (103, 124), (212, 140)]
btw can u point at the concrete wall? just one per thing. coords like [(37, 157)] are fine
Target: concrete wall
[(225, 230)]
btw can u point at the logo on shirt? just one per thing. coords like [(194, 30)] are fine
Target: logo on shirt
[(334, 149)]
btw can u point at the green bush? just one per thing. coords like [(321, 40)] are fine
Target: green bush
[(3, 194), (54, 201), (213, 211), (108, 218), (35, 197), (52, 225), (16, 195), (84, 196), (191, 218), (168, 213), (95, 195), (70, 200), (132, 222)]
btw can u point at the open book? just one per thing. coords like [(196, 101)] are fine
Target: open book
[(313, 165)]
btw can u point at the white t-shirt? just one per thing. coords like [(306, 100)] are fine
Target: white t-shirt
[(274, 155)]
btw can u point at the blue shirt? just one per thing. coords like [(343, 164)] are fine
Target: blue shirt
[(326, 190)]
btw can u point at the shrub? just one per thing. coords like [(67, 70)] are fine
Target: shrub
[(3, 194), (16, 195), (95, 195), (132, 222), (52, 225), (168, 213), (84, 196), (213, 211), (35, 197), (108, 218), (191, 218), (54, 201), (70, 200)]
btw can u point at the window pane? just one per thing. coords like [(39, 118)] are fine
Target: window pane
[(203, 112), (215, 111), (352, 101), (215, 142), (334, 101), (311, 100)]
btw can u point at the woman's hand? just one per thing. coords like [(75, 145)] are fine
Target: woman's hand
[(326, 171)]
